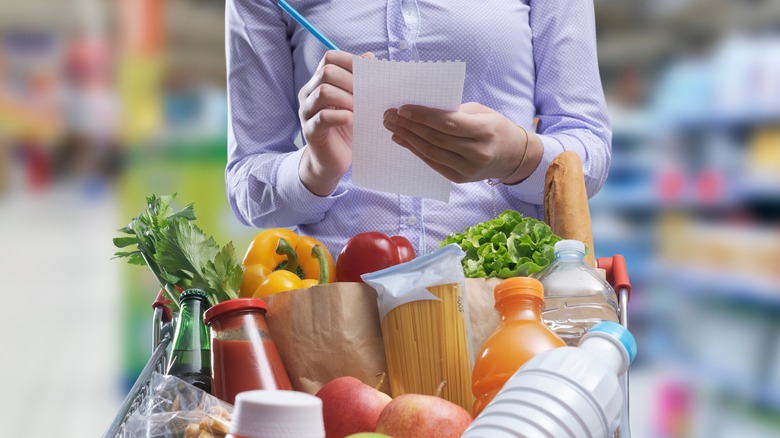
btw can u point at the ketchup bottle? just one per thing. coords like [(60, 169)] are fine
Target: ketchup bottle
[(243, 355)]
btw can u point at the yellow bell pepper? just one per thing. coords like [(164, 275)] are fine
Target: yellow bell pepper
[(285, 267), (262, 251), (285, 279), (253, 276)]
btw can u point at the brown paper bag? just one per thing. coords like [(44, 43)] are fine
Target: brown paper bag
[(333, 330), (482, 315), (328, 331)]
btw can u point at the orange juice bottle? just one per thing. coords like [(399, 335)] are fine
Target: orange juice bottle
[(520, 335)]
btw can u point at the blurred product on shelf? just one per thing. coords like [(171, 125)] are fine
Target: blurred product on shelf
[(727, 248), (5, 166), (564, 392), (244, 357), (191, 350), (763, 158), (521, 334), (576, 297)]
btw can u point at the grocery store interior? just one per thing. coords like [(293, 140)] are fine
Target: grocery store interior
[(105, 102)]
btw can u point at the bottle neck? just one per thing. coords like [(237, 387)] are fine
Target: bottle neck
[(523, 308), (569, 255), (609, 350), (191, 332)]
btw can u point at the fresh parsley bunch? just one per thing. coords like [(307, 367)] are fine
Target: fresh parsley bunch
[(510, 245), (179, 253)]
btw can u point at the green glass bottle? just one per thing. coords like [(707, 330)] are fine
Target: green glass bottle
[(191, 351)]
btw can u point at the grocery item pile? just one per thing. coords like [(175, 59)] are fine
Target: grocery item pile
[(381, 341)]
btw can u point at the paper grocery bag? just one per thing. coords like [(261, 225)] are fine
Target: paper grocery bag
[(333, 330), (483, 317), (328, 331)]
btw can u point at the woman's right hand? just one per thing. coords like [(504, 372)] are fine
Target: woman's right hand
[(325, 113)]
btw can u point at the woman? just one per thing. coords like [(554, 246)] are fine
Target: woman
[(524, 60)]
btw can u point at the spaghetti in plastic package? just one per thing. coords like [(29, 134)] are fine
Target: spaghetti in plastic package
[(425, 323), (174, 408)]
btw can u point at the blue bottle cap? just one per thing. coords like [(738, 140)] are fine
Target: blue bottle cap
[(620, 333)]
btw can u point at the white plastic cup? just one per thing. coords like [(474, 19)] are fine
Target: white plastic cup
[(277, 414)]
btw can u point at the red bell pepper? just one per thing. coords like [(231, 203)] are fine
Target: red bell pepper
[(369, 252)]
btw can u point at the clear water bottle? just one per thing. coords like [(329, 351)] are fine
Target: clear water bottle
[(567, 392), (576, 296)]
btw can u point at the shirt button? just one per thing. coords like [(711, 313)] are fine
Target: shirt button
[(411, 220), (403, 45)]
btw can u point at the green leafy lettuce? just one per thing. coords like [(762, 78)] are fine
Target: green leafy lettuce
[(510, 245), (179, 253)]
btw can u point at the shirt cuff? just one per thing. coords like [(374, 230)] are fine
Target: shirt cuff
[(294, 193), (531, 189)]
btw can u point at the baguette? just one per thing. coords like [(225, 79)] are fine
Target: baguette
[(566, 208)]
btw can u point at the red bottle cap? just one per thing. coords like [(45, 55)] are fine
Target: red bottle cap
[(233, 305)]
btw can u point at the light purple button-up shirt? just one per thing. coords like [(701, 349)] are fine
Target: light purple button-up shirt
[(524, 59)]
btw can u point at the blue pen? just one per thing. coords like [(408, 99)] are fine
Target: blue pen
[(305, 23)]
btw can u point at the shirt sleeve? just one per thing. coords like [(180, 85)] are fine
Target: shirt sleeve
[(568, 95), (261, 177)]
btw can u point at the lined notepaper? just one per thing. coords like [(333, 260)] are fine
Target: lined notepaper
[(378, 85)]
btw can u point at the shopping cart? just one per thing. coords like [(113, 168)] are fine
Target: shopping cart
[(617, 276), (161, 339)]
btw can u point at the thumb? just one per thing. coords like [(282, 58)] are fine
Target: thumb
[(368, 55)]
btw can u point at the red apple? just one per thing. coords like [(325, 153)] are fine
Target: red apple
[(350, 406), (423, 416)]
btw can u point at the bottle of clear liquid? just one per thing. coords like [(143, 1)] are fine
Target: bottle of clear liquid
[(191, 351), (567, 392), (576, 296)]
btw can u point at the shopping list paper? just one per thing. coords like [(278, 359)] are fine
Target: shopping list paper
[(378, 85)]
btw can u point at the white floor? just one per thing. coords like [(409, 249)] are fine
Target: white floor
[(60, 314)]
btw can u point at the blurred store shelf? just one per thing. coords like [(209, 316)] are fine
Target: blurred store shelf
[(743, 289)]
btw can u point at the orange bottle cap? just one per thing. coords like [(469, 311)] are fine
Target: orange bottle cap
[(516, 286)]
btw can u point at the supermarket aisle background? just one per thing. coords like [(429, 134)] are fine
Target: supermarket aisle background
[(61, 349), (102, 103)]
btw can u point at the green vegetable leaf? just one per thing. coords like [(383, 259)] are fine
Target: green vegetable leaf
[(183, 251), (123, 242), (178, 252), (506, 246), (225, 272)]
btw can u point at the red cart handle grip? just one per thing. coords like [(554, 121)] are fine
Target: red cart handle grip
[(617, 274), (162, 303)]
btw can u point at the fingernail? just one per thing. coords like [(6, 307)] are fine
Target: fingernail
[(398, 140), (404, 112), (390, 125), (391, 116)]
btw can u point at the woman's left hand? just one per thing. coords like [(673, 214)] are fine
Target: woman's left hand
[(471, 144)]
